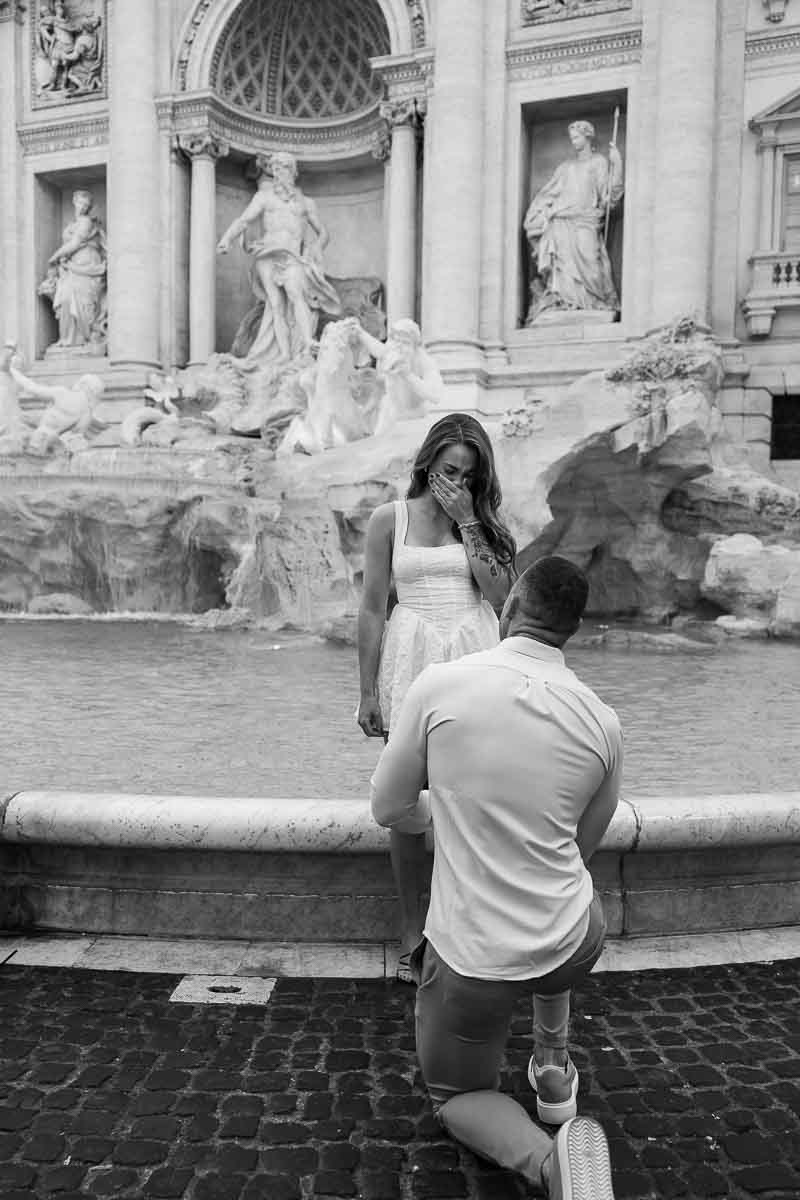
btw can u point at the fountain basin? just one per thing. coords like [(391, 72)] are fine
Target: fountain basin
[(318, 870)]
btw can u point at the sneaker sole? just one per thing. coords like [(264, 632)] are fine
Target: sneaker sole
[(559, 1113), (585, 1165)]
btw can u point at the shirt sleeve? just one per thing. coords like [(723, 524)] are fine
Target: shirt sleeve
[(600, 810), (402, 770)]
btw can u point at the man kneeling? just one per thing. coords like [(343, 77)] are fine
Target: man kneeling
[(518, 766)]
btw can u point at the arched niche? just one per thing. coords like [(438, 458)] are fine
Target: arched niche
[(407, 23), (255, 76)]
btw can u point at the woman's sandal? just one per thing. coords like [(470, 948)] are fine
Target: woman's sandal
[(404, 974)]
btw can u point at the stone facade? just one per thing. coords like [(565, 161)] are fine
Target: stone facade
[(422, 130)]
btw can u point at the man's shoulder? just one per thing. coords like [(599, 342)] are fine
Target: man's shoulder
[(476, 662), (602, 711)]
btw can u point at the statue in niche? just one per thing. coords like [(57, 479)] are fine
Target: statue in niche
[(70, 51), (566, 225), (76, 282), (286, 271)]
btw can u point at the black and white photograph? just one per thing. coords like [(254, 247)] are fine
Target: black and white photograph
[(399, 599)]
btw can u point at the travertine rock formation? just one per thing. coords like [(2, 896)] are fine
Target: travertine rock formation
[(756, 582), (628, 475)]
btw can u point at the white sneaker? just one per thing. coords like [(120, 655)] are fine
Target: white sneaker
[(580, 1168), (556, 1091)]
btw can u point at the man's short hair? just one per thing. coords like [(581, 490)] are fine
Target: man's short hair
[(553, 591)]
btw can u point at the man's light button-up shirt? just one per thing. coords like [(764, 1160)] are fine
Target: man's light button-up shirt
[(508, 748)]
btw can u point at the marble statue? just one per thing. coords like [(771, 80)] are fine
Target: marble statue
[(348, 400), (12, 422), (85, 60), (410, 377), (71, 415), (361, 296), (69, 52), (286, 268), (341, 398), (161, 397), (76, 281), (566, 224)]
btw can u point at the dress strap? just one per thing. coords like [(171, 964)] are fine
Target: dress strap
[(400, 526)]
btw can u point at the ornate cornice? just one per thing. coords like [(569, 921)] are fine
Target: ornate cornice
[(407, 77), (63, 135), (205, 114), (12, 10), (766, 45), (577, 54)]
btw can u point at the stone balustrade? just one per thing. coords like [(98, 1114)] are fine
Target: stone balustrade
[(318, 870), (775, 284)]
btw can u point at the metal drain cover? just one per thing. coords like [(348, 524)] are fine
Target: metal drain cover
[(223, 989)]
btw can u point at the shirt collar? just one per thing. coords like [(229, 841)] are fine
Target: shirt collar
[(533, 649)]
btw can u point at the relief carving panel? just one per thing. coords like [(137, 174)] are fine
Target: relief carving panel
[(68, 43), (536, 12)]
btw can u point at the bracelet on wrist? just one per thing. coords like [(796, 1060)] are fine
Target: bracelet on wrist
[(467, 524)]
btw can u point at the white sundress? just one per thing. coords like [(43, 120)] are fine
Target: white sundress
[(440, 614)]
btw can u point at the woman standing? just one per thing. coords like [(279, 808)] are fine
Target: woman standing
[(76, 281), (451, 560)]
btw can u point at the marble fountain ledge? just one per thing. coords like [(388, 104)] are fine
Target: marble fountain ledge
[(291, 825)]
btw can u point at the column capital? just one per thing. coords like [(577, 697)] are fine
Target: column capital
[(12, 10), (203, 145), (398, 112), (404, 110)]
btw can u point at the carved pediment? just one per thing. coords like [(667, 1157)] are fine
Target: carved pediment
[(786, 109)]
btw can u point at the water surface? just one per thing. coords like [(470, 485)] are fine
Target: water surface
[(160, 707)]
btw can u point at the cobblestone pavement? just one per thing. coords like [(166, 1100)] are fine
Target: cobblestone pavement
[(108, 1089)]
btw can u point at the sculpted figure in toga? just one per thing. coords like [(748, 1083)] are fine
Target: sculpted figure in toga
[(76, 279), (564, 225)]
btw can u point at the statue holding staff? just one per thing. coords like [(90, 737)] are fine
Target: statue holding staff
[(564, 225)]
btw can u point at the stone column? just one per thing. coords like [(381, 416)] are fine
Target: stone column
[(767, 233), (493, 216), (454, 188), (11, 13), (687, 53), (134, 188), (403, 117), (204, 150)]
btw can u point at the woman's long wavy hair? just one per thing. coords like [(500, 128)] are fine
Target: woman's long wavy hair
[(459, 429)]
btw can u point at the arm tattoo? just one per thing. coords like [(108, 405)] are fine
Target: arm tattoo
[(475, 541)]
